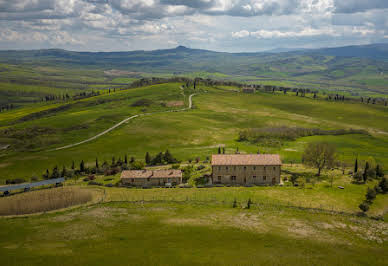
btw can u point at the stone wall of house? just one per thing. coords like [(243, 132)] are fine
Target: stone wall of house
[(151, 182), (250, 174)]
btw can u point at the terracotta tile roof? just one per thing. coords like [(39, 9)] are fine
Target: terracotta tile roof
[(246, 159), (151, 173)]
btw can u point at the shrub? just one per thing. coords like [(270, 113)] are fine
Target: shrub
[(364, 206), (383, 184), (142, 102), (94, 183), (91, 177), (234, 203), (200, 167), (15, 181), (370, 194), (176, 166)]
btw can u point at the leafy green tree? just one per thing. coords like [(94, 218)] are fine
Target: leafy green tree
[(319, 155)]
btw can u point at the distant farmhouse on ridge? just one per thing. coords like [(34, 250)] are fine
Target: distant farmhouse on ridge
[(242, 169)]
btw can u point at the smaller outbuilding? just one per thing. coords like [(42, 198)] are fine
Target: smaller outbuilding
[(150, 178)]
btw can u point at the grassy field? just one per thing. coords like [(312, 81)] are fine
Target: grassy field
[(216, 120), (191, 233)]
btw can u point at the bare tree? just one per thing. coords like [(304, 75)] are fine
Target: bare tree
[(319, 155)]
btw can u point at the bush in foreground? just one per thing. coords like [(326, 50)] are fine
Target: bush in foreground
[(43, 200)]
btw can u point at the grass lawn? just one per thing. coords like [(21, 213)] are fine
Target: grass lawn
[(191, 234)]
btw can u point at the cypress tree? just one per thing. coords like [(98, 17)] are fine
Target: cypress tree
[(63, 174), (82, 166), (96, 163), (126, 159), (356, 166), (72, 166), (223, 150), (219, 150), (365, 174)]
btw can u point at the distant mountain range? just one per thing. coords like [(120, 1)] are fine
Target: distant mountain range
[(363, 66)]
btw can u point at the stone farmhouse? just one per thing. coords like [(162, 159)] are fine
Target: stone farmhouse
[(149, 178), (245, 169), (250, 89)]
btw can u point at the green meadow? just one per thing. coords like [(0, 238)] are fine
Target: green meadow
[(215, 120), (195, 227)]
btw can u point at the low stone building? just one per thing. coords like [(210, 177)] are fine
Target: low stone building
[(245, 169), (150, 178), (248, 89)]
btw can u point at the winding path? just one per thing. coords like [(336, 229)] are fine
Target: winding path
[(122, 122)]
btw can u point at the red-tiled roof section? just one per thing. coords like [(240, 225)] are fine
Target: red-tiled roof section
[(246, 159), (151, 173)]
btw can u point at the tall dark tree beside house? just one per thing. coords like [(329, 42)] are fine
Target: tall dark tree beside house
[(126, 159), (223, 150), (219, 150), (365, 174), (97, 164), (113, 161), (72, 166), (147, 158), (319, 155), (82, 166), (356, 166)]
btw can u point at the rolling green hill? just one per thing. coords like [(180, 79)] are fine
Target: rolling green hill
[(217, 118)]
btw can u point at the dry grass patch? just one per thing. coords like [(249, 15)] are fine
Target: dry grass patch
[(44, 200)]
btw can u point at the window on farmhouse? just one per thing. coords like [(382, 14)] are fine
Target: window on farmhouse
[(245, 168), (219, 178), (148, 179), (132, 180), (226, 168), (264, 168), (274, 168), (233, 177), (254, 176), (264, 178), (254, 167)]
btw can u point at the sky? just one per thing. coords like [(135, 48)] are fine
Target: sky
[(220, 25)]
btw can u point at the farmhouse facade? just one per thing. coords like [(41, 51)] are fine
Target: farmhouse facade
[(245, 169), (148, 178)]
